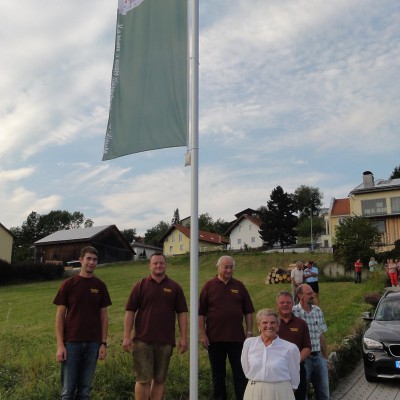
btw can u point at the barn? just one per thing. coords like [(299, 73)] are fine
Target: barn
[(66, 245)]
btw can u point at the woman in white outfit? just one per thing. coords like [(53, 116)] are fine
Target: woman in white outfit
[(271, 364)]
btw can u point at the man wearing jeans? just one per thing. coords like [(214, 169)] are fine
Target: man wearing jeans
[(224, 302), (316, 363), (81, 327)]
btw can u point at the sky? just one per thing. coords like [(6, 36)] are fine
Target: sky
[(292, 92)]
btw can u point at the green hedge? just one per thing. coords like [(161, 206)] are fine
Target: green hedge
[(28, 272)]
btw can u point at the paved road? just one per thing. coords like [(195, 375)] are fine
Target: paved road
[(355, 387)]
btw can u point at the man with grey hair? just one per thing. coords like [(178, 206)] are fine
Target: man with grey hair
[(224, 302)]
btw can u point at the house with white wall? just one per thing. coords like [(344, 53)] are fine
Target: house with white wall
[(244, 231)]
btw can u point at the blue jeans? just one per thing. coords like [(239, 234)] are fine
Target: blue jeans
[(217, 353), (77, 371), (317, 374)]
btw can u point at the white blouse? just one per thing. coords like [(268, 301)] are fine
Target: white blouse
[(277, 362)]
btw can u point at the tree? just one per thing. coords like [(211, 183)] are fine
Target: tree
[(154, 235), (206, 223), (221, 226), (279, 221), (304, 227), (356, 238), (308, 201), (175, 219), (395, 173), (129, 234), (37, 226)]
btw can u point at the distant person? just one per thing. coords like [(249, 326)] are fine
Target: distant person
[(270, 363), (317, 362), (294, 330), (151, 309), (81, 327), (393, 273), (372, 265), (311, 278), (297, 278), (358, 271), (224, 303)]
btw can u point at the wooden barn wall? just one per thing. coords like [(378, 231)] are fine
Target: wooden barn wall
[(109, 244)]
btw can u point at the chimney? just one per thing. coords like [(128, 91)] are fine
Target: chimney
[(368, 179)]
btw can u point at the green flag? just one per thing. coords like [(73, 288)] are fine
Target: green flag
[(148, 102)]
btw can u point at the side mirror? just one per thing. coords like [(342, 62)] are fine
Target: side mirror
[(367, 316)]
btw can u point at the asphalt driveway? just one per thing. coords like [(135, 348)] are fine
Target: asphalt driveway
[(355, 387)]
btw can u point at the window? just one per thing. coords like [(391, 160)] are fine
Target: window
[(395, 204), (253, 239), (180, 238), (373, 207), (181, 247), (172, 238), (380, 225), (170, 249), (250, 227), (239, 241)]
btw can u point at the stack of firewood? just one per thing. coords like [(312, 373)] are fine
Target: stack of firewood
[(277, 276)]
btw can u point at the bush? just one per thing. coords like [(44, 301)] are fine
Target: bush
[(372, 298), (28, 272)]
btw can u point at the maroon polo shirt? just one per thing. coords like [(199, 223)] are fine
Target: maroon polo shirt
[(156, 305), (295, 331), (84, 298), (224, 307)]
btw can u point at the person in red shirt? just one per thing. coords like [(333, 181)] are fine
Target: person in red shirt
[(151, 309), (223, 305), (81, 327), (358, 270)]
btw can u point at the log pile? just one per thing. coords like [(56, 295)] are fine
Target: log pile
[(277, 276)]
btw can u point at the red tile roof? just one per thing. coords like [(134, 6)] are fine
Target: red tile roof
[(203, 235), (341, 207)]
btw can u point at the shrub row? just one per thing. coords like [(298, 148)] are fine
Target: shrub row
[(28, 272)]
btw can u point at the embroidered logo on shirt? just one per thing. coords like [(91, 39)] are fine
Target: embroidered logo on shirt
[(235, 291), (167, 290), (95, 291), (294, 329)]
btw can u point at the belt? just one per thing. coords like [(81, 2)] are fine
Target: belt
[(314, 353)]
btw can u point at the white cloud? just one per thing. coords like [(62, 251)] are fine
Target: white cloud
[(291, 92)]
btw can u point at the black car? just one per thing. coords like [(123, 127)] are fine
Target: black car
[(381, 341)]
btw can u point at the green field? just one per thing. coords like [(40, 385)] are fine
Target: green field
[(28, 369)]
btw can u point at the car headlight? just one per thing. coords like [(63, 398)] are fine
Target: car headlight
[(370, 344)]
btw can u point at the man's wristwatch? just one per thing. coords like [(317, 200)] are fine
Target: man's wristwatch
[(104, 344)]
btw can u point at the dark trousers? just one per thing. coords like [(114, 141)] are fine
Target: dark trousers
[(357, 277), (301, 392), (217, 353)]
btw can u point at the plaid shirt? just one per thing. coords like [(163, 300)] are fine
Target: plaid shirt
[(315, 321)]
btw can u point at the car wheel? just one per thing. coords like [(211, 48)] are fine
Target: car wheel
[(370, 378)]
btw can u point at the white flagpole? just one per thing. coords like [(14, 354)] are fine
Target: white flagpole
[(194, 220)]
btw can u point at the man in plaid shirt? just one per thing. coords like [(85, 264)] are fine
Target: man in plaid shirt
[(316, 363)]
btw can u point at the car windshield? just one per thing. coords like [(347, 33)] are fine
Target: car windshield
[(388, 310)]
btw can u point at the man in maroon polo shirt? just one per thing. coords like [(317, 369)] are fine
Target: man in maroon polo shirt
[(294, 330), (224, 302), (151, 308)]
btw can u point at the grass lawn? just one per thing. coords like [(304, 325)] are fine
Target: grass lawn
[(28, 369)]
